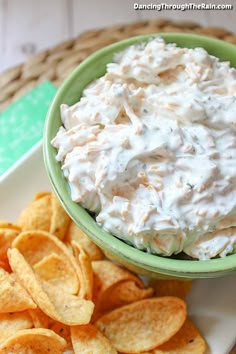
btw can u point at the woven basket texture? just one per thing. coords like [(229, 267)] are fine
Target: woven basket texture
[(56, 63)]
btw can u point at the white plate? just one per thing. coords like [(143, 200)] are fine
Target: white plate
[(211, 303)]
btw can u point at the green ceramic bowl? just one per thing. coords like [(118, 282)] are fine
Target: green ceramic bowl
[(69, 92)]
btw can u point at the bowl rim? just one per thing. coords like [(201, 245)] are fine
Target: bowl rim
[(110, 243)]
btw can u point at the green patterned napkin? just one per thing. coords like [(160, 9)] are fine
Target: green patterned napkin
[(21, 124)]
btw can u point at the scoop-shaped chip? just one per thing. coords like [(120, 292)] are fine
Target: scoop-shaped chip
[(86, 281), (12, 322), (9, 225), (56, 270), (13, 297), (107, 274), (187, 340), (122, 294), (74, 233), (34, 341), (59, 220), (45, 213), (66, 308), (41, 194), (39, 318), (7, 235), (64, 331), (171, 287), (8, 232), (72, 309), (36, 246), (37, 215), (143, 325), (88, 339)]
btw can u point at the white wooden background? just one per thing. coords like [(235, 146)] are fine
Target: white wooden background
[(29, 26)]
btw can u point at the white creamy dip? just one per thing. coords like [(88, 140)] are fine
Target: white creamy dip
[(151, 149)]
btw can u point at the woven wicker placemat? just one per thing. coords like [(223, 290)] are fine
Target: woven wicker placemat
[(56, 63)]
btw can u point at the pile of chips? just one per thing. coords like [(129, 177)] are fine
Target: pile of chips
[(59, 294)]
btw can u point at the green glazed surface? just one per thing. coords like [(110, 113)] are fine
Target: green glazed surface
[(70, 91)]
